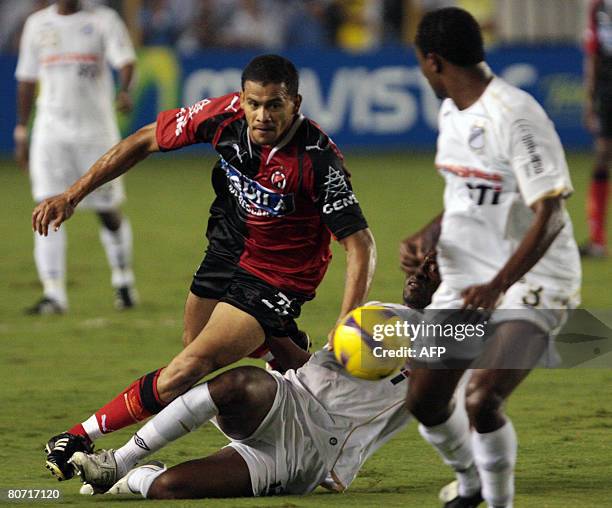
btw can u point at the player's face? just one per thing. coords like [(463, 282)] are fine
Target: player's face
[(269, 110), (430, 68), (421, 286)]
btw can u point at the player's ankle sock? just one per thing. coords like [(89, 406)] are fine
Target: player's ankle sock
[(597, 204), (142, 479), (181, 416), (50, 258), (118, 247), (495, 456), (134, 404), (452, 441)]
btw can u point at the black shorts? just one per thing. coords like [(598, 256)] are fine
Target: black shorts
[(603, 108), (222, 280)]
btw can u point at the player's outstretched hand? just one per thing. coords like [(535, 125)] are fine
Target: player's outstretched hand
[(51, 212), (484, 296)]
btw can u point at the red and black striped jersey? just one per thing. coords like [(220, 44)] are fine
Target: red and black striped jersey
[(276, 206)]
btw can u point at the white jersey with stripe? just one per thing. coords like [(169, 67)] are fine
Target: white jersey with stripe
[(498, 157), (360, 415), (69, 55)]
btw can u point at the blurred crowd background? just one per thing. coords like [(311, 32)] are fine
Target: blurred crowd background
[(355, 25)]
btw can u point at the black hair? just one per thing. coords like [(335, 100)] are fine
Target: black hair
[(453, 34), (266, 69)]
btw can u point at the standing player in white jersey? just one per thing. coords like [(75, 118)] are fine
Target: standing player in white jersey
[(66, 48), (505, 246)]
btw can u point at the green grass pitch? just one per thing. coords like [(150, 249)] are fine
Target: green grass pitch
[(58, 370)]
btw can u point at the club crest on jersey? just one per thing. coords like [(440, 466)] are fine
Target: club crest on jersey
[(87, 29), (476, 139), (278, 179), (254, 198)]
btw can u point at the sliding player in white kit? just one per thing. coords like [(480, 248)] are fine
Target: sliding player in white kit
[(289, 433), (66, 48), (505, 246)]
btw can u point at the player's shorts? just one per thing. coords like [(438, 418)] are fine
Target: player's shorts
[(56, 165), (284, 454), (537, 300), (603, 108), (275, 310)]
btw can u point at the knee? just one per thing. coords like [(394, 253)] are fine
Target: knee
[(483, 405), (234, 387), (111, 220), (168, 486), (428, 411)]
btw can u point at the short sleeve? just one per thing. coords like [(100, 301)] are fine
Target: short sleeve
[(198, 123), (538, 160), (334, 196), (118, 45), (27, 64)]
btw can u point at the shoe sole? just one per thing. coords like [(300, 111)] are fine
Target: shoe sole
[(55, 470)]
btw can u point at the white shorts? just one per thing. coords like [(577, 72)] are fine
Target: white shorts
[(56, 165), (538, 300), (281, 455)]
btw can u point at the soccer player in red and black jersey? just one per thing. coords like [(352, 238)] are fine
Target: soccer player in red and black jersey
[(598, 118), (281, 192)]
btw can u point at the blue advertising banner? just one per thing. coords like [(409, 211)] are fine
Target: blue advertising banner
[(374, 100)]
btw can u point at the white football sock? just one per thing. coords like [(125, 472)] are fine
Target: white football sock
[(181, 416), (118, 248), (50, 259), (495, 456), (452, 441), (142, 479)]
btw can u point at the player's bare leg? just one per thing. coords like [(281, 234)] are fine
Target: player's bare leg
[(223, 474), (240, 399), (597, 200), (197, 313), (217, 346), (515, 344), (116, 238), (445, 425)]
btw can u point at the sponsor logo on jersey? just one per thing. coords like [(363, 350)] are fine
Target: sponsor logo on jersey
[(87, 29), (476, 139), (254, 198), (338, 195), (278, 179)]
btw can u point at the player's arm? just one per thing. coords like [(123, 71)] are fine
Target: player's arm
[(119, 159), (547, 223), (25, 100), (360, 265), (414, 248), (124, 99)]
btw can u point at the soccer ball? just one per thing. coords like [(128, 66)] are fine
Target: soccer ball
[(355, 346)]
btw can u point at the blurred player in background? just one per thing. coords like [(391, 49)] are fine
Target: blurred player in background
[(598, 118), (504, 245), (281, 192), (66, 48)]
